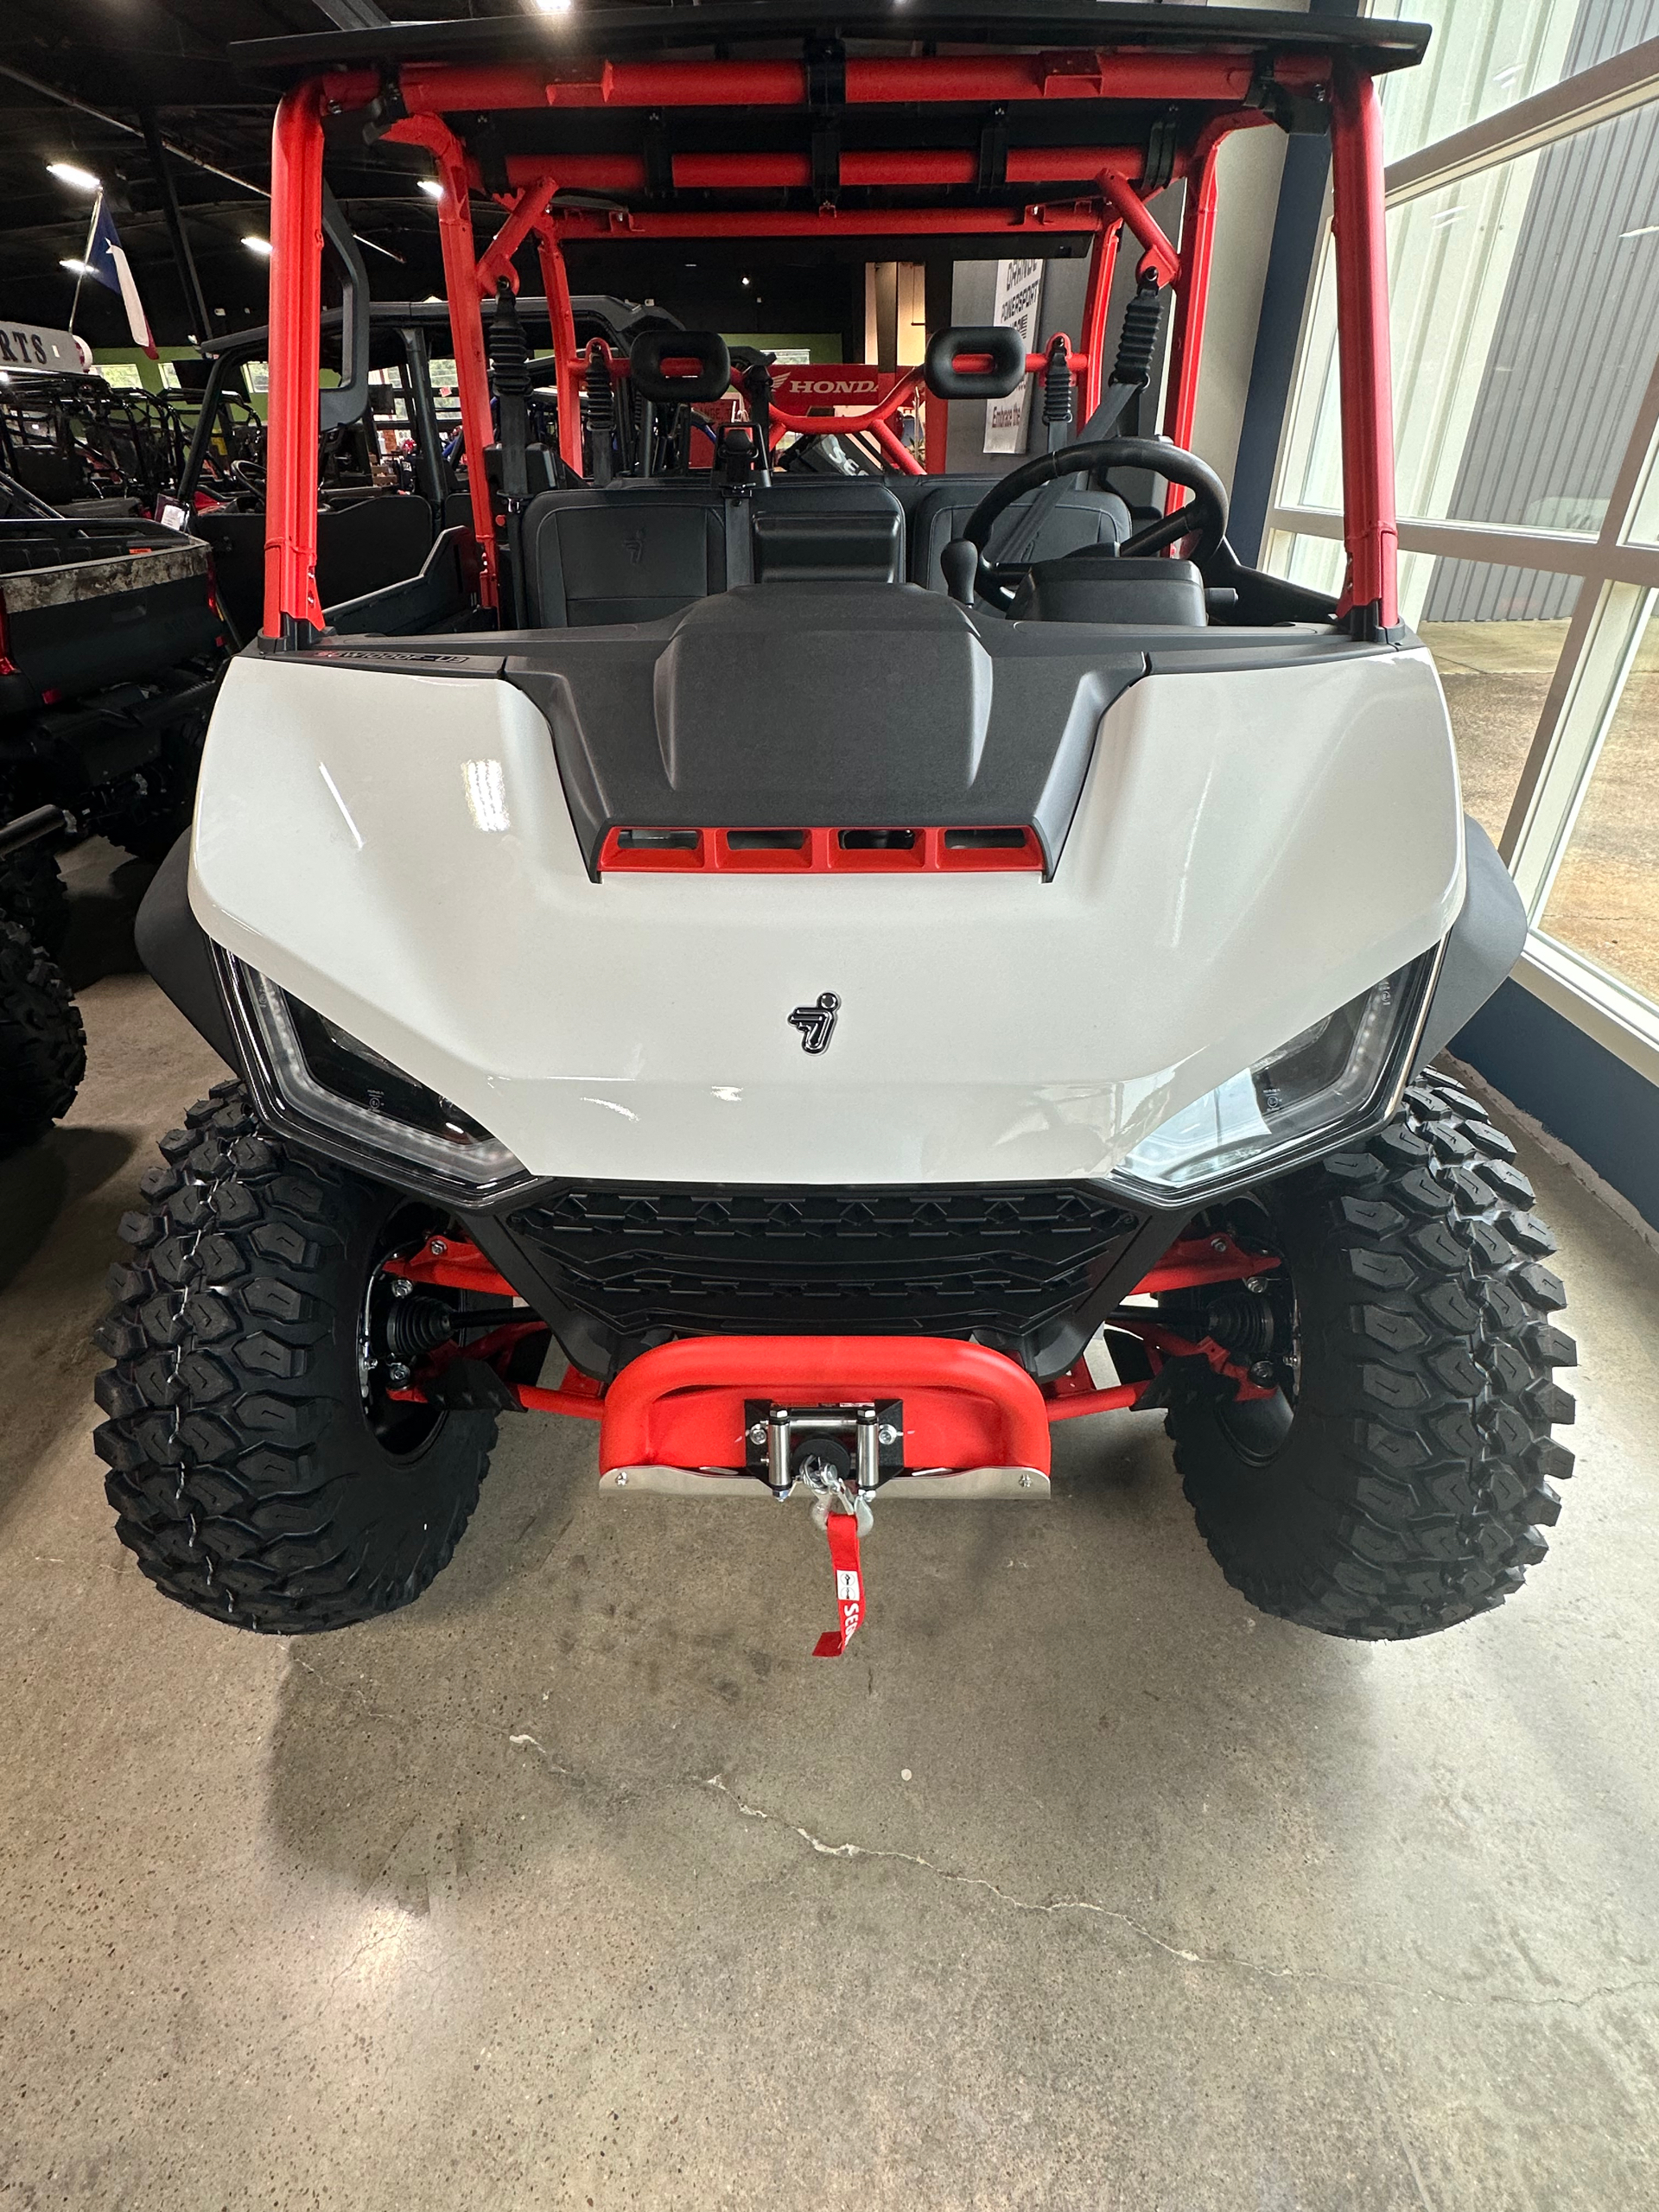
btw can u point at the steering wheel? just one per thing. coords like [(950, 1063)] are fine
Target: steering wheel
[(1204, 517)]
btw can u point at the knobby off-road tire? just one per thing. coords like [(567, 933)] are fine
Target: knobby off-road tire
[(34, 894), (1407, 1490), (249, 1474), (43, 1045)]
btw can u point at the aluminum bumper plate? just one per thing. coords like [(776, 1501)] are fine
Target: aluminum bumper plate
[(970, 1483)]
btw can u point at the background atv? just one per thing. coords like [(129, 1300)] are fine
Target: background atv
[(114, 644)]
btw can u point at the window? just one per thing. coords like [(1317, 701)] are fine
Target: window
[(1603, 903), (1524, 240), (1497, 652), (1487, 54)]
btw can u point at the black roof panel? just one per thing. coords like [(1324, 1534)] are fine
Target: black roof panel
[(597, 29)]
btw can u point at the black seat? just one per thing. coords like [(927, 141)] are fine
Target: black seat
[(627, 552), (827, 530), (1083, 517)]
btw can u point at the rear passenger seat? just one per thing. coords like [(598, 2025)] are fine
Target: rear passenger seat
[(636, 550), (625, 552)]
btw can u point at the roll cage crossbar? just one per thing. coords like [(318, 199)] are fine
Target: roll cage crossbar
[(1198, 75)]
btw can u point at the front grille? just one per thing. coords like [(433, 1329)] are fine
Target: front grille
[(989, 1261)]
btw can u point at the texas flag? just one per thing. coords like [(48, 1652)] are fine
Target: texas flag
[(107, 264)]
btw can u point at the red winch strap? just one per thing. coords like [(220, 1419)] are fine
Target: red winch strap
[(849, 1585)]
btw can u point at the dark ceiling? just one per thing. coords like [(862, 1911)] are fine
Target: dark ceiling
[(121, 56), (78, 76)]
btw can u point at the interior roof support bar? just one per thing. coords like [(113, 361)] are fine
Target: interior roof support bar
[(465, 326), (1371, 592), (1186, 340), (556, 282), (524, 211), (1158, 255)]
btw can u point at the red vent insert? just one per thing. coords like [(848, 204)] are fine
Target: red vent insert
[(798, 852)]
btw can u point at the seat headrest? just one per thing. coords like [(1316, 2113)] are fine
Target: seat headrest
[(672, 366), (986, 362)]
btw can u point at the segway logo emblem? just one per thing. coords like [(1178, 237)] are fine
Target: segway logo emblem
[(816, 1023)]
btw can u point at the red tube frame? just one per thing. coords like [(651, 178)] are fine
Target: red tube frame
[(1186, 337), (292, 609), (295, 340), (1370, 524), (556, 283), (438, 88), (1056, 165), (466, 327), (972, 1407)]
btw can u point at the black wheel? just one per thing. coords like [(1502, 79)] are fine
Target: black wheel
[(1397, 1479), (260, 1467), (34, 894), (43, 1045), (148, 816)]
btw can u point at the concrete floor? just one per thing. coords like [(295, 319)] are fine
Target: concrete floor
[(579, 1884)]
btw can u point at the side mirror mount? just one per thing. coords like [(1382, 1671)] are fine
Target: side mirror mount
[(344, 402)]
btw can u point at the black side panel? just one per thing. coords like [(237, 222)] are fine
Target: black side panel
[(371, 543), (428, 601), (1263, 598), (237, 543), (1486, 940), (174, 950)]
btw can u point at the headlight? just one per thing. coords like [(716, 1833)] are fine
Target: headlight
[(1341, 1073), (331, 1077)]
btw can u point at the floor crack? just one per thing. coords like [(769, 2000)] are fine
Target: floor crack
[(967, 1881), (525, 1738), (1225, 1960)]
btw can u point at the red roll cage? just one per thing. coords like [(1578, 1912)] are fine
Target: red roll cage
[(1201, 74)]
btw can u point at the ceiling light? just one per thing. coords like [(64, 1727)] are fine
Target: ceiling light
[(80, 180), (77, 268), (261, 246), (551, 7), (431, 188), (743, 280)]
